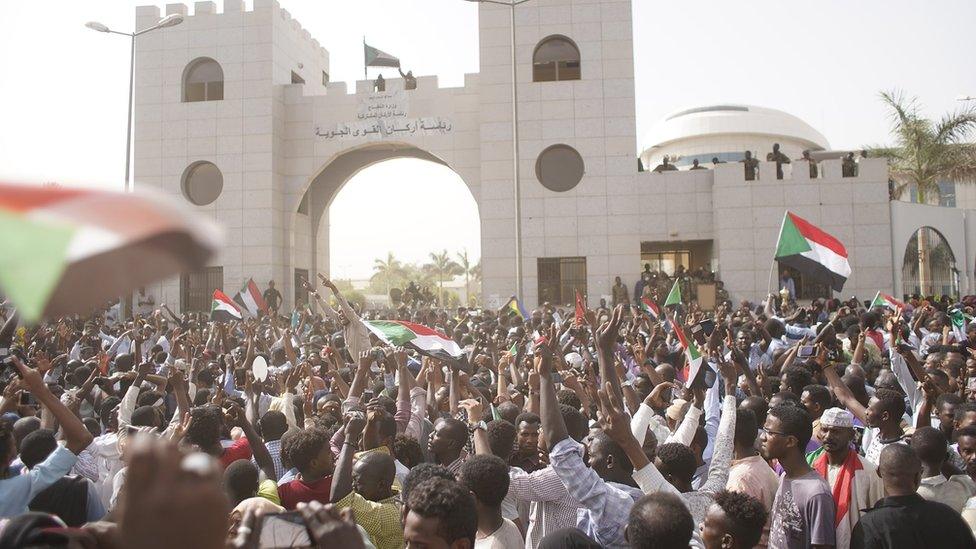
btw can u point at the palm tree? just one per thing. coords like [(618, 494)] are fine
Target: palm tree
[(925, 153), (467, 268), (387, 270), (442, 266)]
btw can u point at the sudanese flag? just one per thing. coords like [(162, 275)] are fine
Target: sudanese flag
[(67, 251), (817, 255)]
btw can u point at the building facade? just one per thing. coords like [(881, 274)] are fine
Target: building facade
[(235, 114)]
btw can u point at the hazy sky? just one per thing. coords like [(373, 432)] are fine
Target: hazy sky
[(63, 87)]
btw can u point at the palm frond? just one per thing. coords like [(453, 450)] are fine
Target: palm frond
[(902, 110), (955, 127)]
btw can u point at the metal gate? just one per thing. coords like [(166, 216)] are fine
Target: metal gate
[(196, 288), (560, 277)]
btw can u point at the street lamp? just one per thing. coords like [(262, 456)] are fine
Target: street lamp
[(168, 21), (515, 147), (125, 304)]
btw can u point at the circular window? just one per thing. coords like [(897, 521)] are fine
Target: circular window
[(202, 183), (559, 168)]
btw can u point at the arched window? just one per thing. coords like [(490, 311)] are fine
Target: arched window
[(929, 265), (203, 80), (202, 183), (555, 58)]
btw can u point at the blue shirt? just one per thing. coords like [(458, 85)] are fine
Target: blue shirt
[(17, 492), (605, 506)]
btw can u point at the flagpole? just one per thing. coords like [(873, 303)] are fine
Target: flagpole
[(365, 74), (769, 283)]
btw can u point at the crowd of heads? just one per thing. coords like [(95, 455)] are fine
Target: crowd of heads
[(123, 418)]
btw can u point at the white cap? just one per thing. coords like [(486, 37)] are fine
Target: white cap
[(573, 359)]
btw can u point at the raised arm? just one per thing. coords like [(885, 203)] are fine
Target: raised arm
[(342, 479), (718, 469), (553, 425), (254, 440), (841, 391), (475, 416), (606, 337), (858, 357), (77, 437), (361, 377)]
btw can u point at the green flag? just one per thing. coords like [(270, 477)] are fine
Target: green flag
[(33, 256), (378, 58), (959, 320), (674, 297)]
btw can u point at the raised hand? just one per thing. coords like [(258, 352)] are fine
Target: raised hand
[(354, 426), (179, 431), (31, 378), (656, 398), (606, 334), (616, 421), (474, 408)]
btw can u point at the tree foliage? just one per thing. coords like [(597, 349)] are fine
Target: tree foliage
[(926, 151)]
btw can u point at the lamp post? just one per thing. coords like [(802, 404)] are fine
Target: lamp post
[(169, 21), (515, 146)]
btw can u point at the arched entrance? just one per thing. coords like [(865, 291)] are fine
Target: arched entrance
[(311, 253), (929, 265)]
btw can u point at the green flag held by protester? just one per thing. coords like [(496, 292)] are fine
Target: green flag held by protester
[(674, 296)]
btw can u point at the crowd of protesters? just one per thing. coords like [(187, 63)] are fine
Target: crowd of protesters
[(823, 426)]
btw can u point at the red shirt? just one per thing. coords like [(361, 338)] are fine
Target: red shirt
[(294, 492), (241, 449)]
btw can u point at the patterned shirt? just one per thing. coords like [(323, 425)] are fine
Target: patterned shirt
[(380, 519), (552, 508), (274, 448), (606, 505), (455, 466)]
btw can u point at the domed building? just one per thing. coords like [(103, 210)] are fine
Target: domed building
[(726, 132)]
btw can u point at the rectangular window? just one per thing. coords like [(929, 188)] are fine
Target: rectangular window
[(301, 294), (560, 277), (196, 288), (296, 79), (325, 78)]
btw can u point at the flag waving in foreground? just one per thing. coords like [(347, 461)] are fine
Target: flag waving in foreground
[(66, 251), (250, 299), (426, 341), (223, 309), (885, 300), (373, 57), (650, 308), (814, 253), (693, 357)]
